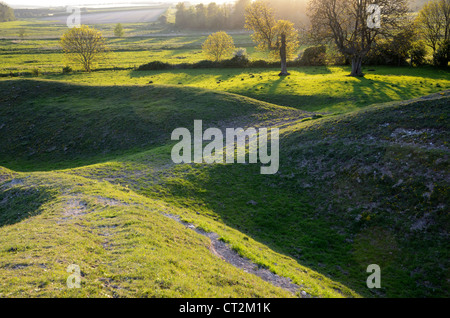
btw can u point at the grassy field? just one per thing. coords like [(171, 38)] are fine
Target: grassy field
[(86, 176)]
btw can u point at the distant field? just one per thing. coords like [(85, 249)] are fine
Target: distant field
[(129, 16)]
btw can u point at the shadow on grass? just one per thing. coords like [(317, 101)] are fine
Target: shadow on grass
[(49, 125), (272, 213), (17, 204)]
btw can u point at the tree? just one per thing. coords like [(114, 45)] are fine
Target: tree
[(22, 33), (84, 45), (260, 18), (286, 43), (201, 15), (279, 37), (442, 55), (163, 19), (118, 30), (218, 45), (213, 20), (180, 16), (350, 24), (433, 21), (6, 13), (239, 13)]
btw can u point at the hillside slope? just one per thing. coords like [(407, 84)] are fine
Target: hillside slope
[(47, 124), (368, 187), (353, 190)]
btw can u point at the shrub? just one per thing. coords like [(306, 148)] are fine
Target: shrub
[(118, 30), (418, 54), (314, 56), (260, 63), (155, 66), (442, 55), (205, 64), (385, 54), (67, 70), (35, 72), (238, 61), (393, 52), (335, 57)]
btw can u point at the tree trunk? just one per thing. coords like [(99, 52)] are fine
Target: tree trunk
[(357, 67), (284, 71)]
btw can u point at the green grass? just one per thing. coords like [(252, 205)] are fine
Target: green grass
[(86, 176), (317, 89), (50, 124), (126, 250), (336, 206)]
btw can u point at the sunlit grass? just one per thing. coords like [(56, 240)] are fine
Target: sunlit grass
[(320, 89)]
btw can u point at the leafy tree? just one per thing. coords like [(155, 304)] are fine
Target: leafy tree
[(346, 22), (433, 21), (218, 45), (279, 37), (442, 55), (181, 15), (163, 19), (260, 18), (201, 16), (118, 30), (211, 16), (239, 13), (418, 53), (6, 13), (83, 45)]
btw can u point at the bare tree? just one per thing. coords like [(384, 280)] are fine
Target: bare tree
[(286, 44), (354, 25)]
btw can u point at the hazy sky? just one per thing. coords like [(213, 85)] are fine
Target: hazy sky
[(58, 3)]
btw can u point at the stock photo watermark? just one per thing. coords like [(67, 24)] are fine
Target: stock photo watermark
[(374, 18), (74, 19), (374, 279), (74, 280), (236, 143)]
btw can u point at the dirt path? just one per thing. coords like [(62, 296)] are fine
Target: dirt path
[(224, 251)]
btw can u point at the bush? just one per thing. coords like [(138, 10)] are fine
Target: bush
[(155, 66), (118, 30), (205, 64), (67, 70), (334, 57), (35, 72), (418, 54), (238, 61), (241, 52), (385, 54), (442, 55), (314, 56), (394, 52), (260, 63), (235, 62)]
